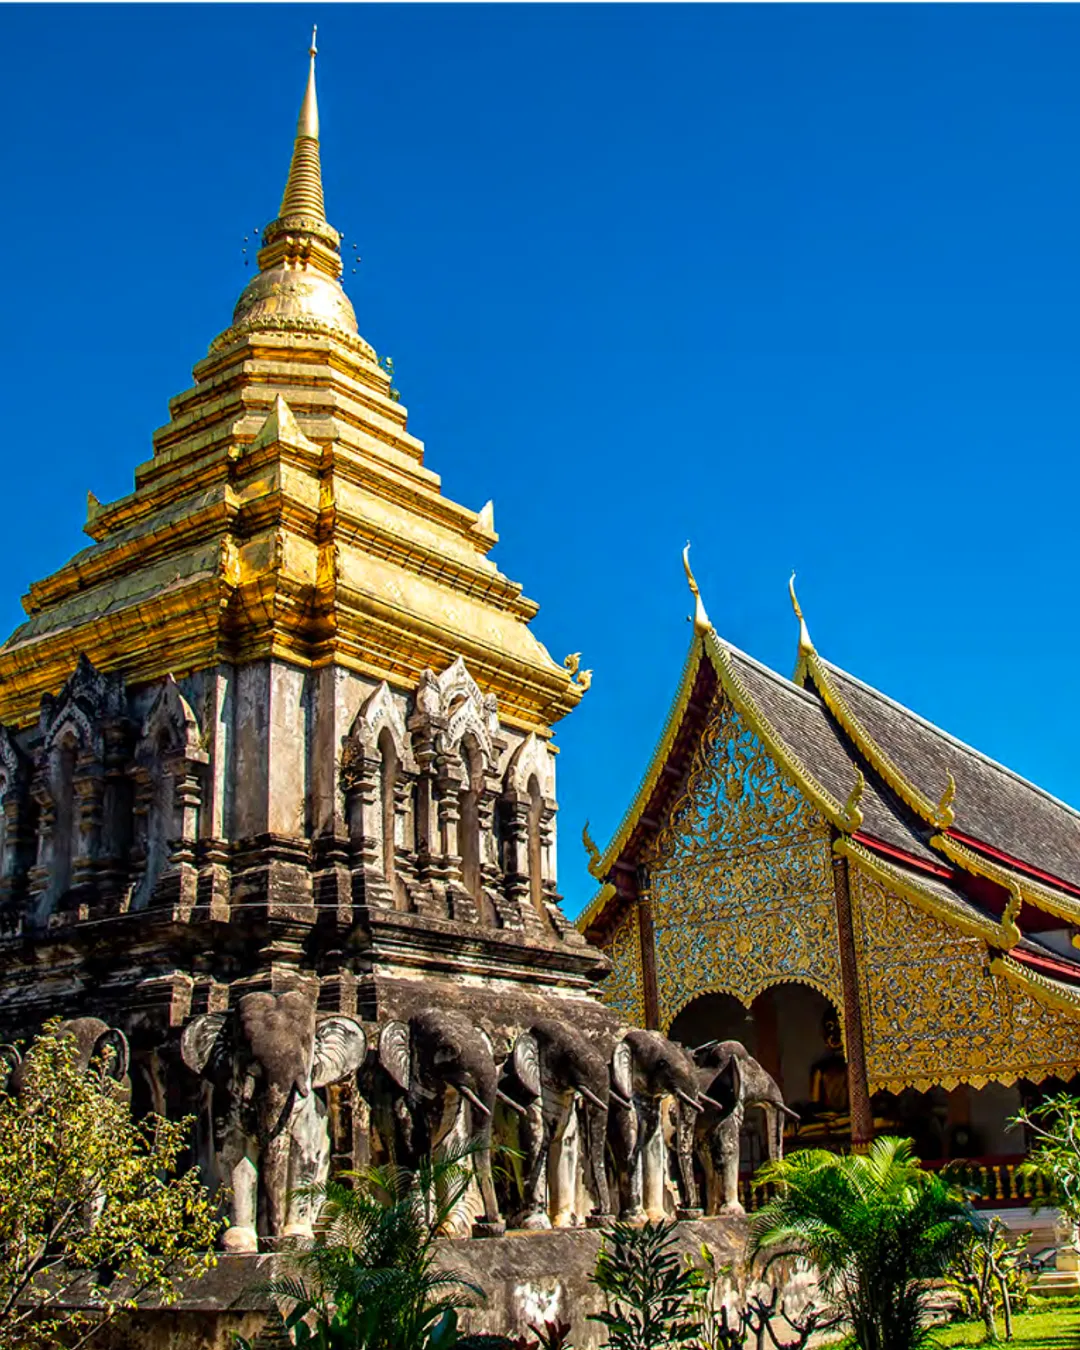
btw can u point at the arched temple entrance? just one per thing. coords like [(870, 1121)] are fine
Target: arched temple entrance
[(794, 1032)]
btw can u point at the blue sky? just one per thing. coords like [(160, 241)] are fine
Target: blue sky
[(800, 284)]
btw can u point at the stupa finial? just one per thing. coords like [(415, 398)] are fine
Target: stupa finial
[(304, 189)]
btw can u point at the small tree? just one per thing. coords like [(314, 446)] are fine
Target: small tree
[(651, 1294), (1054, 1125), (993, 1272), (877, 1227), (93, 1213)]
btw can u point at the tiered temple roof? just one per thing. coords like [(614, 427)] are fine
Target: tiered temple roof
[(964, 838)]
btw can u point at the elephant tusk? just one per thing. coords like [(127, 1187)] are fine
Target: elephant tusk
[(509, 1101), (622, 1101), (470, 1096), (591, 1096), (711, 1101), (792, 1115), (682, 1096), (705, 1045)]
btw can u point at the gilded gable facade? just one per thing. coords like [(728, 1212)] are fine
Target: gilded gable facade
[(812, 869)]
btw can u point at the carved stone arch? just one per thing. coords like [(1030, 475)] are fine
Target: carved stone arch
[(72, 720), (530, 759), (455, 684), (170, 727), (467, 724), (12, 762), (380, 712)]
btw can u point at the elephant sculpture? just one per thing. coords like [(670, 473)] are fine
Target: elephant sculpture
[(269, 1130), (731, 1080), (552, 1070), (647, 1069), (447, 1083), (95, 1045)]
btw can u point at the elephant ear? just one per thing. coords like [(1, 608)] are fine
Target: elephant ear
[(622, 1069), (200, 1038), (112, 1047), (340, 1047), (395, 1054), (527, 1063)]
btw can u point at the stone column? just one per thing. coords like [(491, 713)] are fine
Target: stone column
[(515, 806), (451, 784), (360, 774), (89, 790)]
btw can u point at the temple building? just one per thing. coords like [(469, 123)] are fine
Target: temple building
[(885, 916), (283, 719)]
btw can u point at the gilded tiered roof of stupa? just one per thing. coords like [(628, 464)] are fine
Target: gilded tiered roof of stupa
[(287, 512)]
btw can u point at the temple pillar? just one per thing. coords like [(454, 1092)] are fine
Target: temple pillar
[(862, 1116)]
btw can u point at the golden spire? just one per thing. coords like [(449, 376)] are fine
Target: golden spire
[(304, 190), (805, 645), (701, 619)]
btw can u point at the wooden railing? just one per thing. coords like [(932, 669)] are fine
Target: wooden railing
[(997, 1182)]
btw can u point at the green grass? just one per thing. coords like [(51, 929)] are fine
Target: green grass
[(1052, 1328)]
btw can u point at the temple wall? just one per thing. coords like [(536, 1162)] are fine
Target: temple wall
[(935, 1015)]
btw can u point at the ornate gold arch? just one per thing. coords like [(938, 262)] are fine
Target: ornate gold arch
[(748, 1002)]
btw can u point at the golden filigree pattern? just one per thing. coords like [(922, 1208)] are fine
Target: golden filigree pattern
[(741, 878), (623, 989), (935, 1015)]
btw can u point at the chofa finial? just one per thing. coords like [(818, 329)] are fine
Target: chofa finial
[(702, 624), (945, 813), (805, 644)]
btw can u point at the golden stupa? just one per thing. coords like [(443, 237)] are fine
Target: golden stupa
[(287, 513)]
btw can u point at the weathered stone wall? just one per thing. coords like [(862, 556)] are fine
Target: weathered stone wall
[(526, 1277)]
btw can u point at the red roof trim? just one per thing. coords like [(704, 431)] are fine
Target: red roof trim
[(1056, 966), (1013, 862), (909, 860)]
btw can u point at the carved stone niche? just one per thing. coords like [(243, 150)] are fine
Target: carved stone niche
[(168, 773), (81, 733), (527, 814), (377, 770), (18, 828), (457, 742)]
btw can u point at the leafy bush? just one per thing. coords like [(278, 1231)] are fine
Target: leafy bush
[(650, 1292), (369, 1281)]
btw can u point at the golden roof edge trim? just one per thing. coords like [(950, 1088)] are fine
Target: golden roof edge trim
[(1058, 903), (974, 925), (939, 814), (595, 907), (1040, 987)]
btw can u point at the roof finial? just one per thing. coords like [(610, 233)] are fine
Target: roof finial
[(805, 645), (701, 619), (304, 191)]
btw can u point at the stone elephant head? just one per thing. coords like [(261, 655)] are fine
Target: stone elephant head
[(447, 1082), (553, 1068), (647, 1068), (269, 1133), (731, 1080), (96, 1047)]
